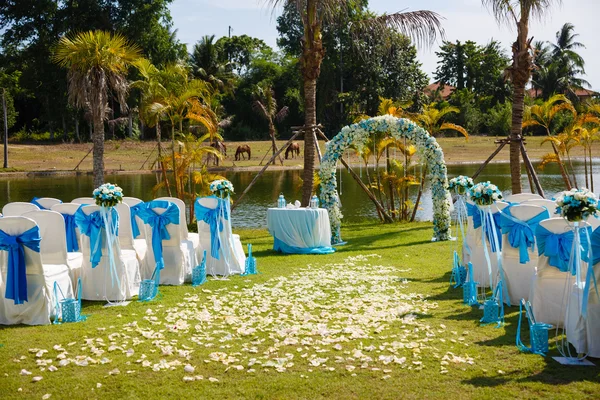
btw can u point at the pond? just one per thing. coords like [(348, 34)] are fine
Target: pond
[(252, 211)]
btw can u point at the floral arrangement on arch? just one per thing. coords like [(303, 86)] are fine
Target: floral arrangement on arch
[(430, 152), (576, 204), (460, 184), (108, 195), (222, 188), (485, 194)]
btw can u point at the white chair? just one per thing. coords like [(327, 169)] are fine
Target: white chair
[(548, 296), (18, 208), (84, 200), (594, 222), (47, 202), (74, 258), (191, 239), (550, 205), (39, 307), (521, 197), (519, 276), (98, 282), (132, 202), (178, 259), (232, 259), (126, 236)]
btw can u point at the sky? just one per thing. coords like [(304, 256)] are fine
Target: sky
[(463, 20)]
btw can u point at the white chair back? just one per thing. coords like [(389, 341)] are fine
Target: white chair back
[(131, 201), (525, 212), (134, 201), (18, 208), (84, 200), (208, 202), (521, 197), (499, 206), (549, 204), (16, 225), (66, 208), (53, 246), (182, 215), (594, 222), (48, 202), (559, 225), (174, 230), (125, 233)]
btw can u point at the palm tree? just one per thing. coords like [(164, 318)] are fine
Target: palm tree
[(98, 62), (206, 65), (564, 53), (431, 119), (265, 105), (518, 12), (422, 26), (543, 115), (586, 139)]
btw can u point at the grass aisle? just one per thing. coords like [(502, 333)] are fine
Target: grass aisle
[(374, 320)]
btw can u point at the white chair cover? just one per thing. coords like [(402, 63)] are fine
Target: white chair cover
[(97, 283), (48, 202), (232, 259), (550, 205), (548, 295), (38, 309), (126, 236), (519, 276), (185, 234), (84, 200), (74, 258), (594, 222), (521, 197), (133, 201), (18, 208)]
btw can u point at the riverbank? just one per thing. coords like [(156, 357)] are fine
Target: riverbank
[(139, 157)]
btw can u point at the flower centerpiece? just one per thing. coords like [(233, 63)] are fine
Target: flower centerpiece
[(221, 188), (485, 194), (460, 184), (108, 195), (576, 205)]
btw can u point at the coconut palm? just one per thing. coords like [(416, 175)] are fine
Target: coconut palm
[(265, 105), (586, 138), (519, 13), (543, 115), (422, 26), (206, 65), (97, 62), (431, 119)]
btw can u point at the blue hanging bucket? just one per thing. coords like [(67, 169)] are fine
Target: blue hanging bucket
[(149, 287), (70, 309), (538, 332), (250, 263), (493, 308), (459, 273), (199, 272), (470, 288)]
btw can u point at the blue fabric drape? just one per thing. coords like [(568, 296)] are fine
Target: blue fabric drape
[(557, 246), (521, 234), (70, 228), (135, 211), (93, 226), (475, 212), (595, 238), (279, 245), (159, 223), (212, 217), (16, 275)]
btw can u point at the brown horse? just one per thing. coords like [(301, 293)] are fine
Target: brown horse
[(239, 153), (293, 148), (221, 148)]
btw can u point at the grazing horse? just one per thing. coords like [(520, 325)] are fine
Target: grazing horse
[(239, 153), (221, 148), (293, 148)]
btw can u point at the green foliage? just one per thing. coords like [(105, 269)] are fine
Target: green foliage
[(498, 119)]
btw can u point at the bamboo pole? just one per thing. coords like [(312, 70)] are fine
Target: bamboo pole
[(490, 158), (149, 155), (529, 165), (84, 157)]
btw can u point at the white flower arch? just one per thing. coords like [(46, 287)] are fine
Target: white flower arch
[(399, 128)]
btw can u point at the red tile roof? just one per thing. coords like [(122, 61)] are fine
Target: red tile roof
[(445, 92)]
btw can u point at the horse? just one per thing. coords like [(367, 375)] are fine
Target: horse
[(293, 148), (239, 153), (221, 148)]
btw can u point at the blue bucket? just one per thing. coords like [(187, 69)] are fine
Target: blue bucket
[(199, 272), (149, 287)]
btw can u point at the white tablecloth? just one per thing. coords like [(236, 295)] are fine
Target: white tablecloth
[(300, 230)]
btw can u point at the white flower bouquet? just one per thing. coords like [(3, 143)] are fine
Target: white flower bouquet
[(460, 184), (485, 194), (576, 204), (221, 188), (108, 195)]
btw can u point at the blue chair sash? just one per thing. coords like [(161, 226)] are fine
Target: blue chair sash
[(159, 223), (490, 233), (474, 212), (212, 217), (16, 275), (557, 246), (135, 211), (71, 231), (595, 239), (521, 233), (93, 226)]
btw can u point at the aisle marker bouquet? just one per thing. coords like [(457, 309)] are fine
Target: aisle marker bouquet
[(108, 195), (221, 188), (576, 204), (485, 194), (460, 184)]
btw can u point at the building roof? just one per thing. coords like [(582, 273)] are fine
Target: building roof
[(535, 93), (445, 92)]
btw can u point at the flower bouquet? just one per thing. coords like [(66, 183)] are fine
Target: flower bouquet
[(108, 195), (460, 184), (576, 205), (221, 188), (485, 194)]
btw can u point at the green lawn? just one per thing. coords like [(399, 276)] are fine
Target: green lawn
[(333, 326)]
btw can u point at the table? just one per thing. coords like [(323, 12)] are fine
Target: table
[(300, 230)]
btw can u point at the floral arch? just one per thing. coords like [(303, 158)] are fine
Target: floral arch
[(399, 128)]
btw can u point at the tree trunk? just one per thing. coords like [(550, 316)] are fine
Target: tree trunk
[(572, 169), (310, 121), (587, 182), (561, 165), (5, 115), (64, 126), (77, 129), (591, 169), (98, 145), (515, 138), (274, 144), (130, 125), (90, 125), (175, 177)]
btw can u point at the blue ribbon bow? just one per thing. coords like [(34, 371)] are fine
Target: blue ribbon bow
[(159, 223), (71, 231), (595, 239), (475, 212), (557, 246), (212, 217), (16, 275), (135, 211), (521, 233), (93, 226)]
